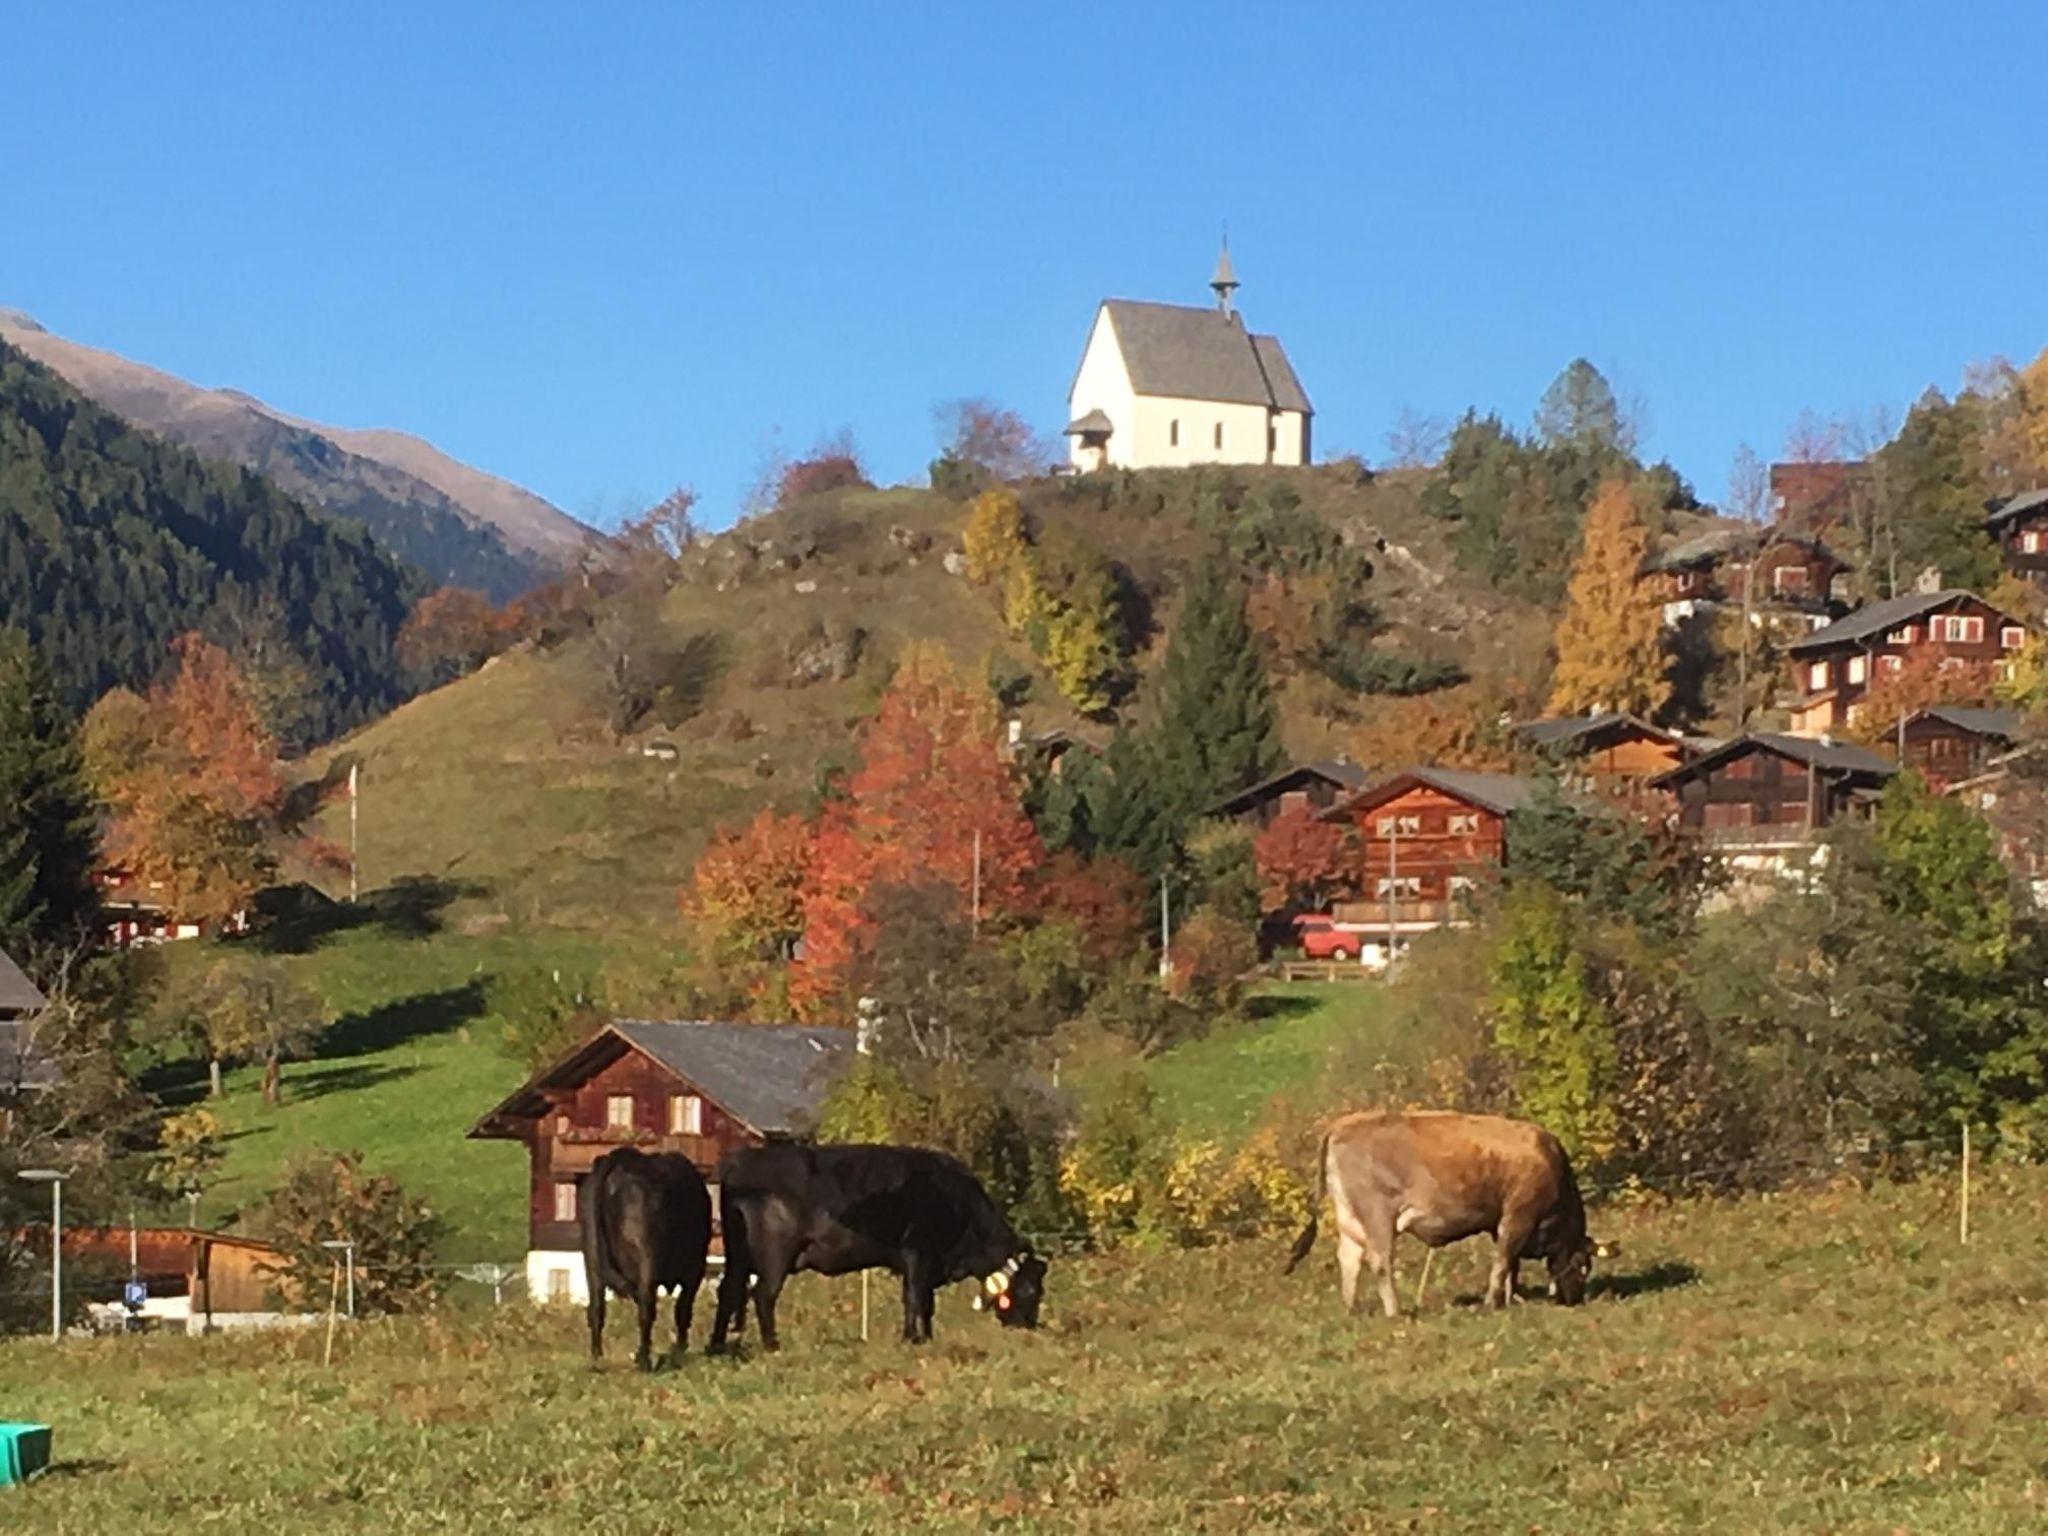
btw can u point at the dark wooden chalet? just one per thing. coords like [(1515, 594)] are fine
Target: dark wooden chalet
[(1951, 742), (19, 997), (697, 1088), (196, 1280), (1773, 570), (1818, 495), (1305, 787), (2020, 525), (1764, 794), (2011, 794), (1426, 836), (1608, 754), (1833, 668)]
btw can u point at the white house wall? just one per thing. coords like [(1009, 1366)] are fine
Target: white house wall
[(1102, 384)]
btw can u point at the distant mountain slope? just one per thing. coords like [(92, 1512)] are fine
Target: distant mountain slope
[(113, 542), (459, 525)]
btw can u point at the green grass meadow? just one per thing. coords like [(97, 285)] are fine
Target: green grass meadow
[(1829, 1361)]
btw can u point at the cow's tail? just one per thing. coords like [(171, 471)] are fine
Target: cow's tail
[(1307, 1240), (589, 1202)]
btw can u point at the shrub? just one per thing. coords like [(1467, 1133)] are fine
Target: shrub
[(328, 1197), (1133, 1006), (1213, 955), (541, 1014)]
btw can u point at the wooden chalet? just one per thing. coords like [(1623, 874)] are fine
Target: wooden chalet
[(1304, 787), (1820, 494), (698, 1088), (1762, 797), (1608, 754), (1773, 570), (24, 1069), (1833, 668), (1947, 743), (2011, 794), (19, 997), (2020, 525), (1426, 836)]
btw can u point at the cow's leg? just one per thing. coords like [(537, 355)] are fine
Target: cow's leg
[(593, 1312), (1509, 1239), (686, 1307), (648, 1301), (767, 1290), (917, 1300), (1350, 1258)]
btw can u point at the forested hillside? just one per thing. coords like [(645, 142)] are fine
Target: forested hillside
[(114, 542)]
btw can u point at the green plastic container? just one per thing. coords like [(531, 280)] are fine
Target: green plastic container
[(24, 1451)]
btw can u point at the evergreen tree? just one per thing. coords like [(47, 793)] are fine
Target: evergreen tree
[(48, 837), (1933, 474), (1217, 729), (1579, 411), (1610, 642)]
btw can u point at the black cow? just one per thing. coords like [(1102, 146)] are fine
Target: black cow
[(646, 1223), (835, 1210)]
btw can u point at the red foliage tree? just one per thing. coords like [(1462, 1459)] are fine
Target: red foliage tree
[(1304, 863), (1104, 898), (834, 465), (454, 631), (930, 778)]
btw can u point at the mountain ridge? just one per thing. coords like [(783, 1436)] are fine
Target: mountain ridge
[(461, 525)]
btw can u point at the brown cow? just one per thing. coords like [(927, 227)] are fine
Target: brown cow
[(1441, 1177)]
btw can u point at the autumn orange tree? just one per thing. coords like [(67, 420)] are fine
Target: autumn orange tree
[(746, 895), (929, 782), (1610, 642), (452, 632), (194, 782)]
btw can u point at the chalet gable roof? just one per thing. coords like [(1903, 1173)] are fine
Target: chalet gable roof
[(2017, 509), (1875, 620), (22, 1064), (1718, 544), (1196, 353), (18, 995), (1575, 730), (1993, 724), (772, 1078), (1338, 774), (1824, 754), (1501, 793)]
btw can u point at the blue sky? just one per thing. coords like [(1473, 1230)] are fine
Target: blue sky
[(604, 249)]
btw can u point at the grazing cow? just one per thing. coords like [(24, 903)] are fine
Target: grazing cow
[(646, 1223), (1441, 1177), (837, 1209)]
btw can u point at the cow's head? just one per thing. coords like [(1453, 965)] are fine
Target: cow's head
[(1571, 1269), (1015, 1291)]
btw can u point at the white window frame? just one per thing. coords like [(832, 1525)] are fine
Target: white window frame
[(1891, 665), (1903, 635), (1410, 887), (565, 1200), (1462, 824), (1962, 629), (2012, 636), (1817, 675), (618, 1111), (1857, 669), (685, 1114), (2030, 541)]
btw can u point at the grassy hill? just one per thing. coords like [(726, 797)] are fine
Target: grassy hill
[(510, 783), (1821, 1361)]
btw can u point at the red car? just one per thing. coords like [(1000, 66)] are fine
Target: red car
[(1323, 939)]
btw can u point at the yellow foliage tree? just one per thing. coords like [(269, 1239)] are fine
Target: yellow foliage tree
[(1610, 642), (2033, 412), (994, 542)]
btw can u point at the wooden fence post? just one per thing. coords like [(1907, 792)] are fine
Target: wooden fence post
[(1963, 1221)]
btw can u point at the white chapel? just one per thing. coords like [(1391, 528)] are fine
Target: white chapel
[(1164, 385)]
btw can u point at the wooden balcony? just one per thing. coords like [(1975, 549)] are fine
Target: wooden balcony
[(1407, 912)]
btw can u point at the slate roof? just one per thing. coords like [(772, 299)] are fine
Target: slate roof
[(1202, 354), (18, 995), (1096, 420), (2017, 507), (1564, 730), (2004, 724), (1724, 543), (1501, 793), (1343, 775), (1818, 752), (771, 1077), (1878, 619)]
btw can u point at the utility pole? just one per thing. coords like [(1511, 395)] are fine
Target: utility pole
[(354, 889), (977, 882)]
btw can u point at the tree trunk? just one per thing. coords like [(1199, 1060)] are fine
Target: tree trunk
[(270, 1079), (213, 1077)]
